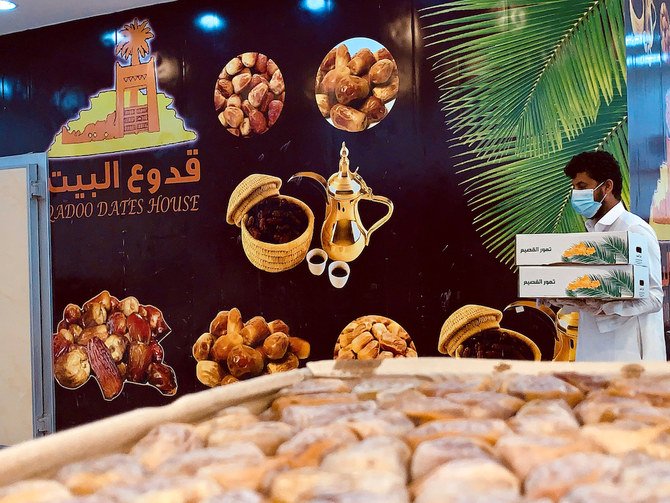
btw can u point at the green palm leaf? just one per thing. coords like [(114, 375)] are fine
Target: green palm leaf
[(531, 194), (521, 83), (623, 281), (617, 246)]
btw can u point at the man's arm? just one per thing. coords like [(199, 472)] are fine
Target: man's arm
[(612, 315)]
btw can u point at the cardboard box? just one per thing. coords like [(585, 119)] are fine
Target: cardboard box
[(586, 282), (588, 248)]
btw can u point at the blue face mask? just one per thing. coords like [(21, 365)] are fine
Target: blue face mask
[(583, 202)]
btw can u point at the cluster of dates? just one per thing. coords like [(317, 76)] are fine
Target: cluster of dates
[(374, 337), (249, 94), (496, 343), (115, 341), (233, 350), (276, 220), (353, 91)]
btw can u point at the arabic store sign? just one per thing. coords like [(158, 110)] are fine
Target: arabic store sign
[(133, 115), (140, 183)]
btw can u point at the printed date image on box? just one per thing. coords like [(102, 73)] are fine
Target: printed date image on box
[(594, 282), (589, 248)]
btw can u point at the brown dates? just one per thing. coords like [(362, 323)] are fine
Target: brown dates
[(373, 337), (354, 92), (249, 94), (495, 344), (233, 350), (113, 340)]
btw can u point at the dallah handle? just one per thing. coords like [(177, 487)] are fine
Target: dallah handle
[(382, 220)]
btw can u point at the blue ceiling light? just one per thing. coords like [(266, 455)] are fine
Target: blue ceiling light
[(7, 5), (317, 6), (6, 89), (210, 22), (110, 38)]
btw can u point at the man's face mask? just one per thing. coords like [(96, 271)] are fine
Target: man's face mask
[(583, 202)]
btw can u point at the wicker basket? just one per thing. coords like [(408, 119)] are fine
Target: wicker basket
[(272, 257), (464, 322), (537, 356), (268, 257)]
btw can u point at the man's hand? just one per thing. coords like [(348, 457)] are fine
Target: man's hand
[(594, 306), (569, 305)]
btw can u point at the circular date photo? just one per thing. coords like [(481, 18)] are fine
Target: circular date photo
[(249, 94), (356, 84)]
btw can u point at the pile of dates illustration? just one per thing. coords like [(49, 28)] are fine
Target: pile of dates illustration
[(233, 350), (114, 341), (354, 91), (249, 94)]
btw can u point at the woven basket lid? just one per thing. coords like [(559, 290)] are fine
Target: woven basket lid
[(464, 322), (250, 191)]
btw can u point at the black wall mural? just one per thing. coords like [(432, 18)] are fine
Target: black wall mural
[(169, 245)]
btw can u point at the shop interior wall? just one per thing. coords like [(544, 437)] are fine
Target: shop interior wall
[(648, 72), (420, 266)]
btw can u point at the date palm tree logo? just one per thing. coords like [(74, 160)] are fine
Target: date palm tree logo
[(135, 80), (136, 41), (136, 109), (131, 115)]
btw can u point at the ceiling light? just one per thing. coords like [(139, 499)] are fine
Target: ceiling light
[(211, 22), (7, 5), (317, 6)]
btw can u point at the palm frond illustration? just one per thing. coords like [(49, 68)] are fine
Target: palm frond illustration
[(618, 246), (524, 87), (613, 285), (589, 252), (624, 281)]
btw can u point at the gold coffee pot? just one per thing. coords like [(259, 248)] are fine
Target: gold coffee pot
[(343, 235)]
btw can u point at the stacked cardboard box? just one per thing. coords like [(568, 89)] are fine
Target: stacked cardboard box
[(598, 265)]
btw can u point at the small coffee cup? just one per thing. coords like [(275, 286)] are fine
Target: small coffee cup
[(338, 272), (316, 261)]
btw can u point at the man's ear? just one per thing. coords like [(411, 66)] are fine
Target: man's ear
[(609, 185)]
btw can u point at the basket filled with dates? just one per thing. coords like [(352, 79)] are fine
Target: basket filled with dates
[(276, 229), (113, 341), (233, 350), (474, 331)]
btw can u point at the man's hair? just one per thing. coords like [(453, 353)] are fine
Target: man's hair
[(599, 165)]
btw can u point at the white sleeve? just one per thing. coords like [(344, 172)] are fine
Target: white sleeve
[(616, 313)]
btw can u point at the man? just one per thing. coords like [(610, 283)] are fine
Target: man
[(622, 330)]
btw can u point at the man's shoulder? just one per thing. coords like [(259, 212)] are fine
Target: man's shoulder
[(634, 223), (632, 219)]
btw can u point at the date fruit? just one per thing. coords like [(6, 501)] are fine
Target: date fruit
[(140, 357), (249, 94), (104, 369), (72, 369), (123, 334), (245, 350), (353, 92), (372, 337), (138, 329), (244, 361), (163, 378)]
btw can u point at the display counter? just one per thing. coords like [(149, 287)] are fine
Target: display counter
[(426, 429)]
